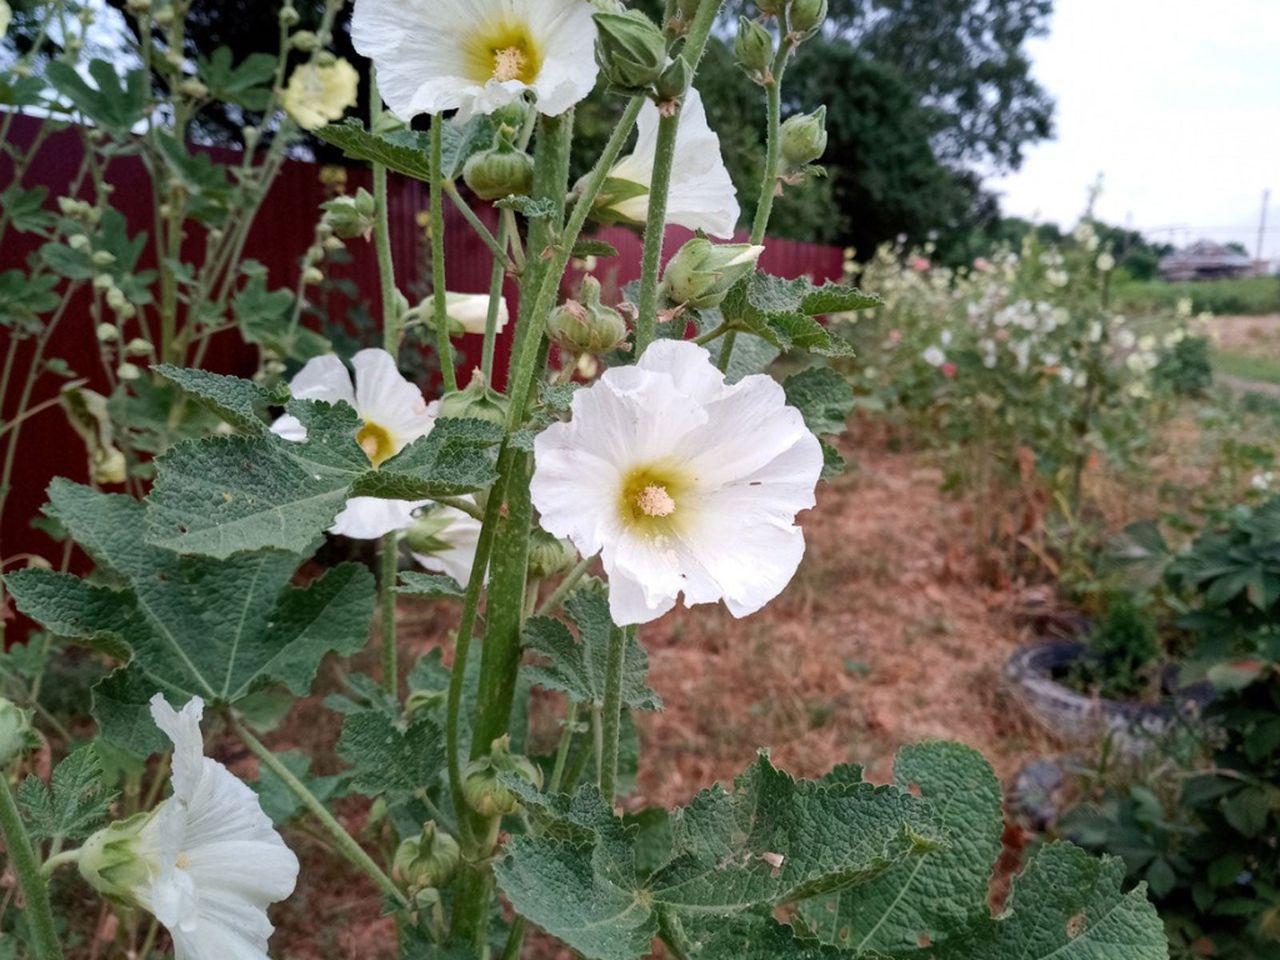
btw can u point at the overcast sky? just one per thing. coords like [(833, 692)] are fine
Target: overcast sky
[(1175, 102)]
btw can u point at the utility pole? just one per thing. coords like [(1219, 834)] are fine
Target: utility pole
[(1262, 223)]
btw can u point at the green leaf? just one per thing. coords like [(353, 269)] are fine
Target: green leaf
[(121, 706), (531, 208), (113, 104), (823, 397), (96, 617), (751, 355), (388, 760), (943, 892), (771, 841), (431, 586), (409, 151), (26, 208), (208, 191), (578, 667), (784, 312), (266, 318), (220, 630), (591, 247), (240, 403), (247, 84), (224, 495), (833, 464), (1067, 906), (74, 803), (23, 299)]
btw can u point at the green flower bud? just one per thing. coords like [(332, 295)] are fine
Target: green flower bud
[(429, 860), (15, 731), (753, 49), (510, 119), (482, 786), (674, 82), (804, 138), (351, 217), (701, 273), (807, 16), (288, 15), (113, 862), (587, 326), (305, 40), (501, 171), (476, 402), (549, 556), (631, 50)]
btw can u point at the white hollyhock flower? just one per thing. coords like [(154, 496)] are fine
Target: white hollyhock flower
[(476, 56), (683, 482), (444, 540), (701, 195), (207, 862), (394, 414), (934, 356), (320, 93), (6, 14), (470, 311)]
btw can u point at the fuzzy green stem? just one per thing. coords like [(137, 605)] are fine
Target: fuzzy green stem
[(562, 751), (655, 229), (346, 844), (59, 860), (392, 324), (612, 711), (566, 586), (496, 280), (488, 239), (22, 858), (439, 297), (388, 569), (773, 161)]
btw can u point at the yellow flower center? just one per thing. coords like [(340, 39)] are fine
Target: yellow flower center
[(503, 52), (182, 862), (376, 443), (649, 501)]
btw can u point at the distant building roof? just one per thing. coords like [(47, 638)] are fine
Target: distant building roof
[(1205, 259)]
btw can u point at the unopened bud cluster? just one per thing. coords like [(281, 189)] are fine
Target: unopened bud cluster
[(587, 326)]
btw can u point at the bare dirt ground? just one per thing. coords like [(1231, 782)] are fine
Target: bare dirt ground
[(1247, 334)]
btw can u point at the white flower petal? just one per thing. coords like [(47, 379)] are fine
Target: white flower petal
[(324, 378), (742, 463), (368, 518), (183, 728), (420, 49), (386, 398), (702, 196), (471, 312), (462, 534), (217, 861)]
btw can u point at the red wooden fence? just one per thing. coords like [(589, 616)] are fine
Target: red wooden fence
[(282, 234)]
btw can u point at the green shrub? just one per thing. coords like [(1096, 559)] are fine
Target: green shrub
[(1186, 370)]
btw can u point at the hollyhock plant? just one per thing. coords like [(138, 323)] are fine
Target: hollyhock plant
[(682, 482), (702, 196), (394, 414), (476, 56), (206, 863)]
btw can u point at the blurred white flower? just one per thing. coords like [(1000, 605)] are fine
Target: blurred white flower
[(1147, 343), (934, 356), (476, 56), (1095, 332), (1106, 263), (469, 312), (701, 196), (946, 338), (683, 482), (206, 862), (1126, 339), (1058, 278), (318, 94), (1171, 340), (1263, 481), (6, 14), (393, 414), (444, 540)]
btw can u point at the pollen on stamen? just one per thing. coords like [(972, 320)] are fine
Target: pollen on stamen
[(509, 64), (654, 501), (369, 444), (182, 862)]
